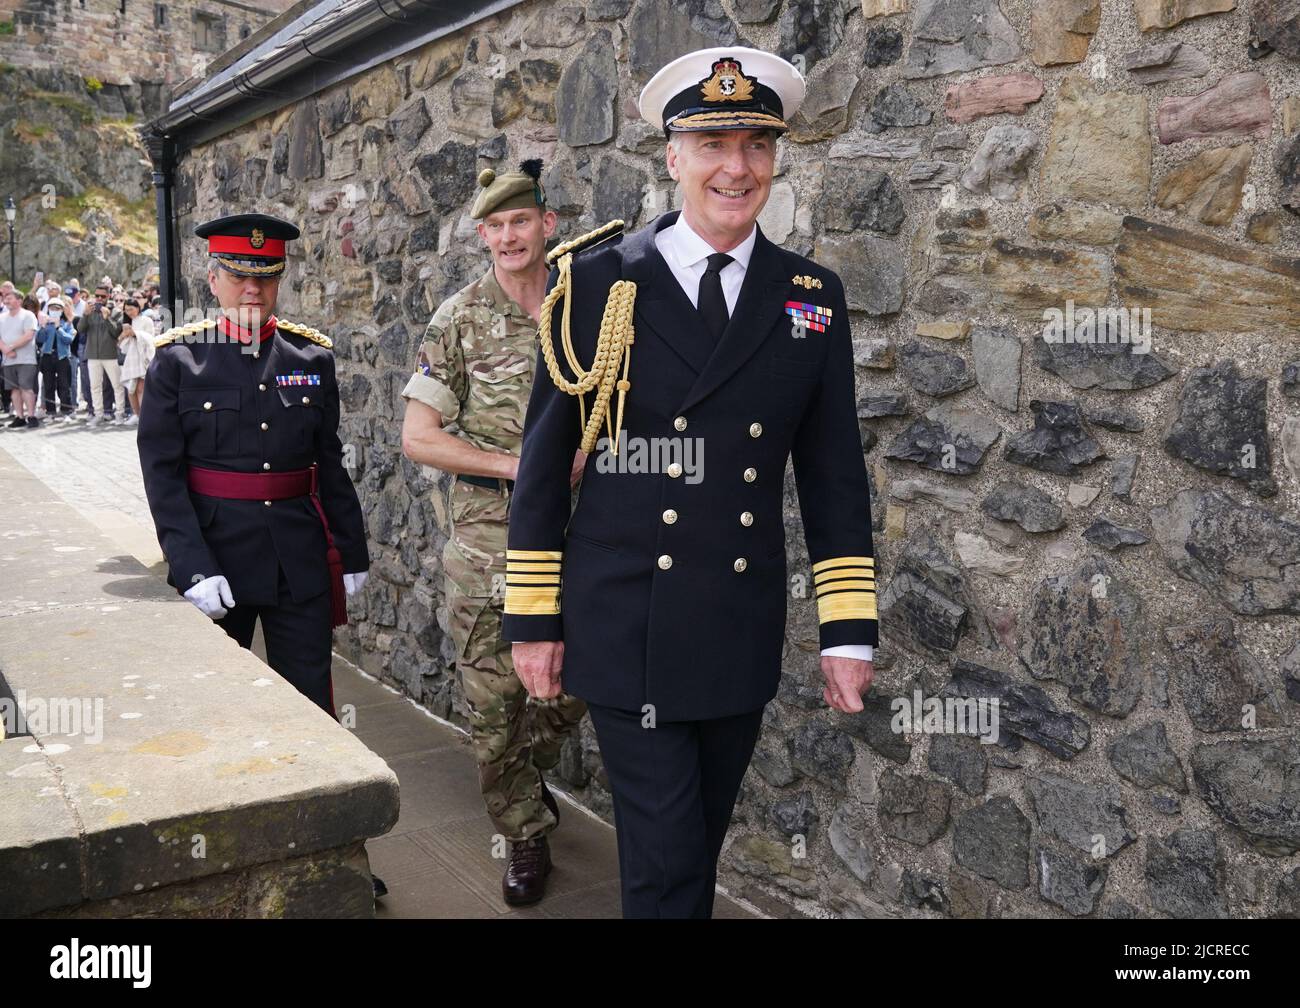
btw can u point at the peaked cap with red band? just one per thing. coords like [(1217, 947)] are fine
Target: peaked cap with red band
[(248, 244)]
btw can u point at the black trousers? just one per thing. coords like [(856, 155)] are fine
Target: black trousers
[(298, 635), (56, 375), (674, 788)]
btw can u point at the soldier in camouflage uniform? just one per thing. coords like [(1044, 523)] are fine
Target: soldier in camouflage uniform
[(465, 415)]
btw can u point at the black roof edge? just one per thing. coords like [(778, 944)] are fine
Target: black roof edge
[(372, 33)]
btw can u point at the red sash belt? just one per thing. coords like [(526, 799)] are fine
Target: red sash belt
[(278, 486)]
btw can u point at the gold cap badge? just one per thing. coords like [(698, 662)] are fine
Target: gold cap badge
[(728, 83)]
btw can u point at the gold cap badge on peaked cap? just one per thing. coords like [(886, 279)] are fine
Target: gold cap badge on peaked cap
[(727, 83)]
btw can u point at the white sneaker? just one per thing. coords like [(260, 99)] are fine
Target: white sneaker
[(132, 421), (95, 421)]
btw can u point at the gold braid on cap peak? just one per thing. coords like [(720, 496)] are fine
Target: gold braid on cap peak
[(613, 344), (236, 266)]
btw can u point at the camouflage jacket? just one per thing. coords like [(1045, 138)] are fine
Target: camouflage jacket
[(475, 367)]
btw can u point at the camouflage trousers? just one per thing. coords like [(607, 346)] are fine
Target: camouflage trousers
[(515, 737)]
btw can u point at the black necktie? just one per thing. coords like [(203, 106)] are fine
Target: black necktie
[(712, 305)]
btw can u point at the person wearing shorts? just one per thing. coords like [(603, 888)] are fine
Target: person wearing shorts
[(17, 343)]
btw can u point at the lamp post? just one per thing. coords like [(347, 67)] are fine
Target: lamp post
[(11, 211)]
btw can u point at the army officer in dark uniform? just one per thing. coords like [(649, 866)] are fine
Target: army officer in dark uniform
[(662, 603), (243, 467)]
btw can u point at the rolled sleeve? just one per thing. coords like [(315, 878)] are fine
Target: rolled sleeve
[(439, 379), (433, 393)]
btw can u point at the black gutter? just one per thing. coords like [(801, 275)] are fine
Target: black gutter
[(162, 152), (336, 48)]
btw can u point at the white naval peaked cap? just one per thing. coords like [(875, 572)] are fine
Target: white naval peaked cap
[(726, 87)]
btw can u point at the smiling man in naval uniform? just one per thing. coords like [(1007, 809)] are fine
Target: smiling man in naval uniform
[(662, 602)]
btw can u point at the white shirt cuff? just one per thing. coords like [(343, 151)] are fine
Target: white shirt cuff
[(862, 652)]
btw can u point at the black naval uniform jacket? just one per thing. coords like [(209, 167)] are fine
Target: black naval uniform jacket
[(215, 405), (659, 589)]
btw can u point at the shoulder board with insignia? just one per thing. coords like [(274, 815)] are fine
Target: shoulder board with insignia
[(180, 332), (306, 332), (586, 241)]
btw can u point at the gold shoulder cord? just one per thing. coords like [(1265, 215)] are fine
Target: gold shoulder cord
[(613, 344)]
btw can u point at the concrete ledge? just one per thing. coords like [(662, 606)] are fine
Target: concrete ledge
[(191, 759)]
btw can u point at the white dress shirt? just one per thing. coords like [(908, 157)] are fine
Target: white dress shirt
[(686, 254)]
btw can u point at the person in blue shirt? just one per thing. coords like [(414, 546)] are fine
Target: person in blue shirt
[(54, 348)]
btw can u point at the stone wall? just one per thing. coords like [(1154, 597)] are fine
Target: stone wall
[(1105, 540)]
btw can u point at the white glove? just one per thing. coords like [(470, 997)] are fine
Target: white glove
[(353, 582), (212, 596)]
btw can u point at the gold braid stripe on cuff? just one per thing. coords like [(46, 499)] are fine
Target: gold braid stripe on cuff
[(842, 574), (532, 601), (846, 584), (514, 577), (857, 605), (533, 582), (854, 561), (846, 588)]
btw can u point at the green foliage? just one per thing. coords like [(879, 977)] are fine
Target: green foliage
[(6, 27), (94, 84)]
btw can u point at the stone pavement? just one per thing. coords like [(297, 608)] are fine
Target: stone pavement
[(437, 861)]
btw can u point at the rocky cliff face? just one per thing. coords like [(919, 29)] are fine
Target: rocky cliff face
[(73, 162)]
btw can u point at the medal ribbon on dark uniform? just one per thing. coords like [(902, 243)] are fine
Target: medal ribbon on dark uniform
[(813, 317)]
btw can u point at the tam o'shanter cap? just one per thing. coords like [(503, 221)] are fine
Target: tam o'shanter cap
[(724, 88), (510, 191), (248, 244)]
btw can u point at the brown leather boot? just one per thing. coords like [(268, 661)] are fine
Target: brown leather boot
[(525, 879)]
